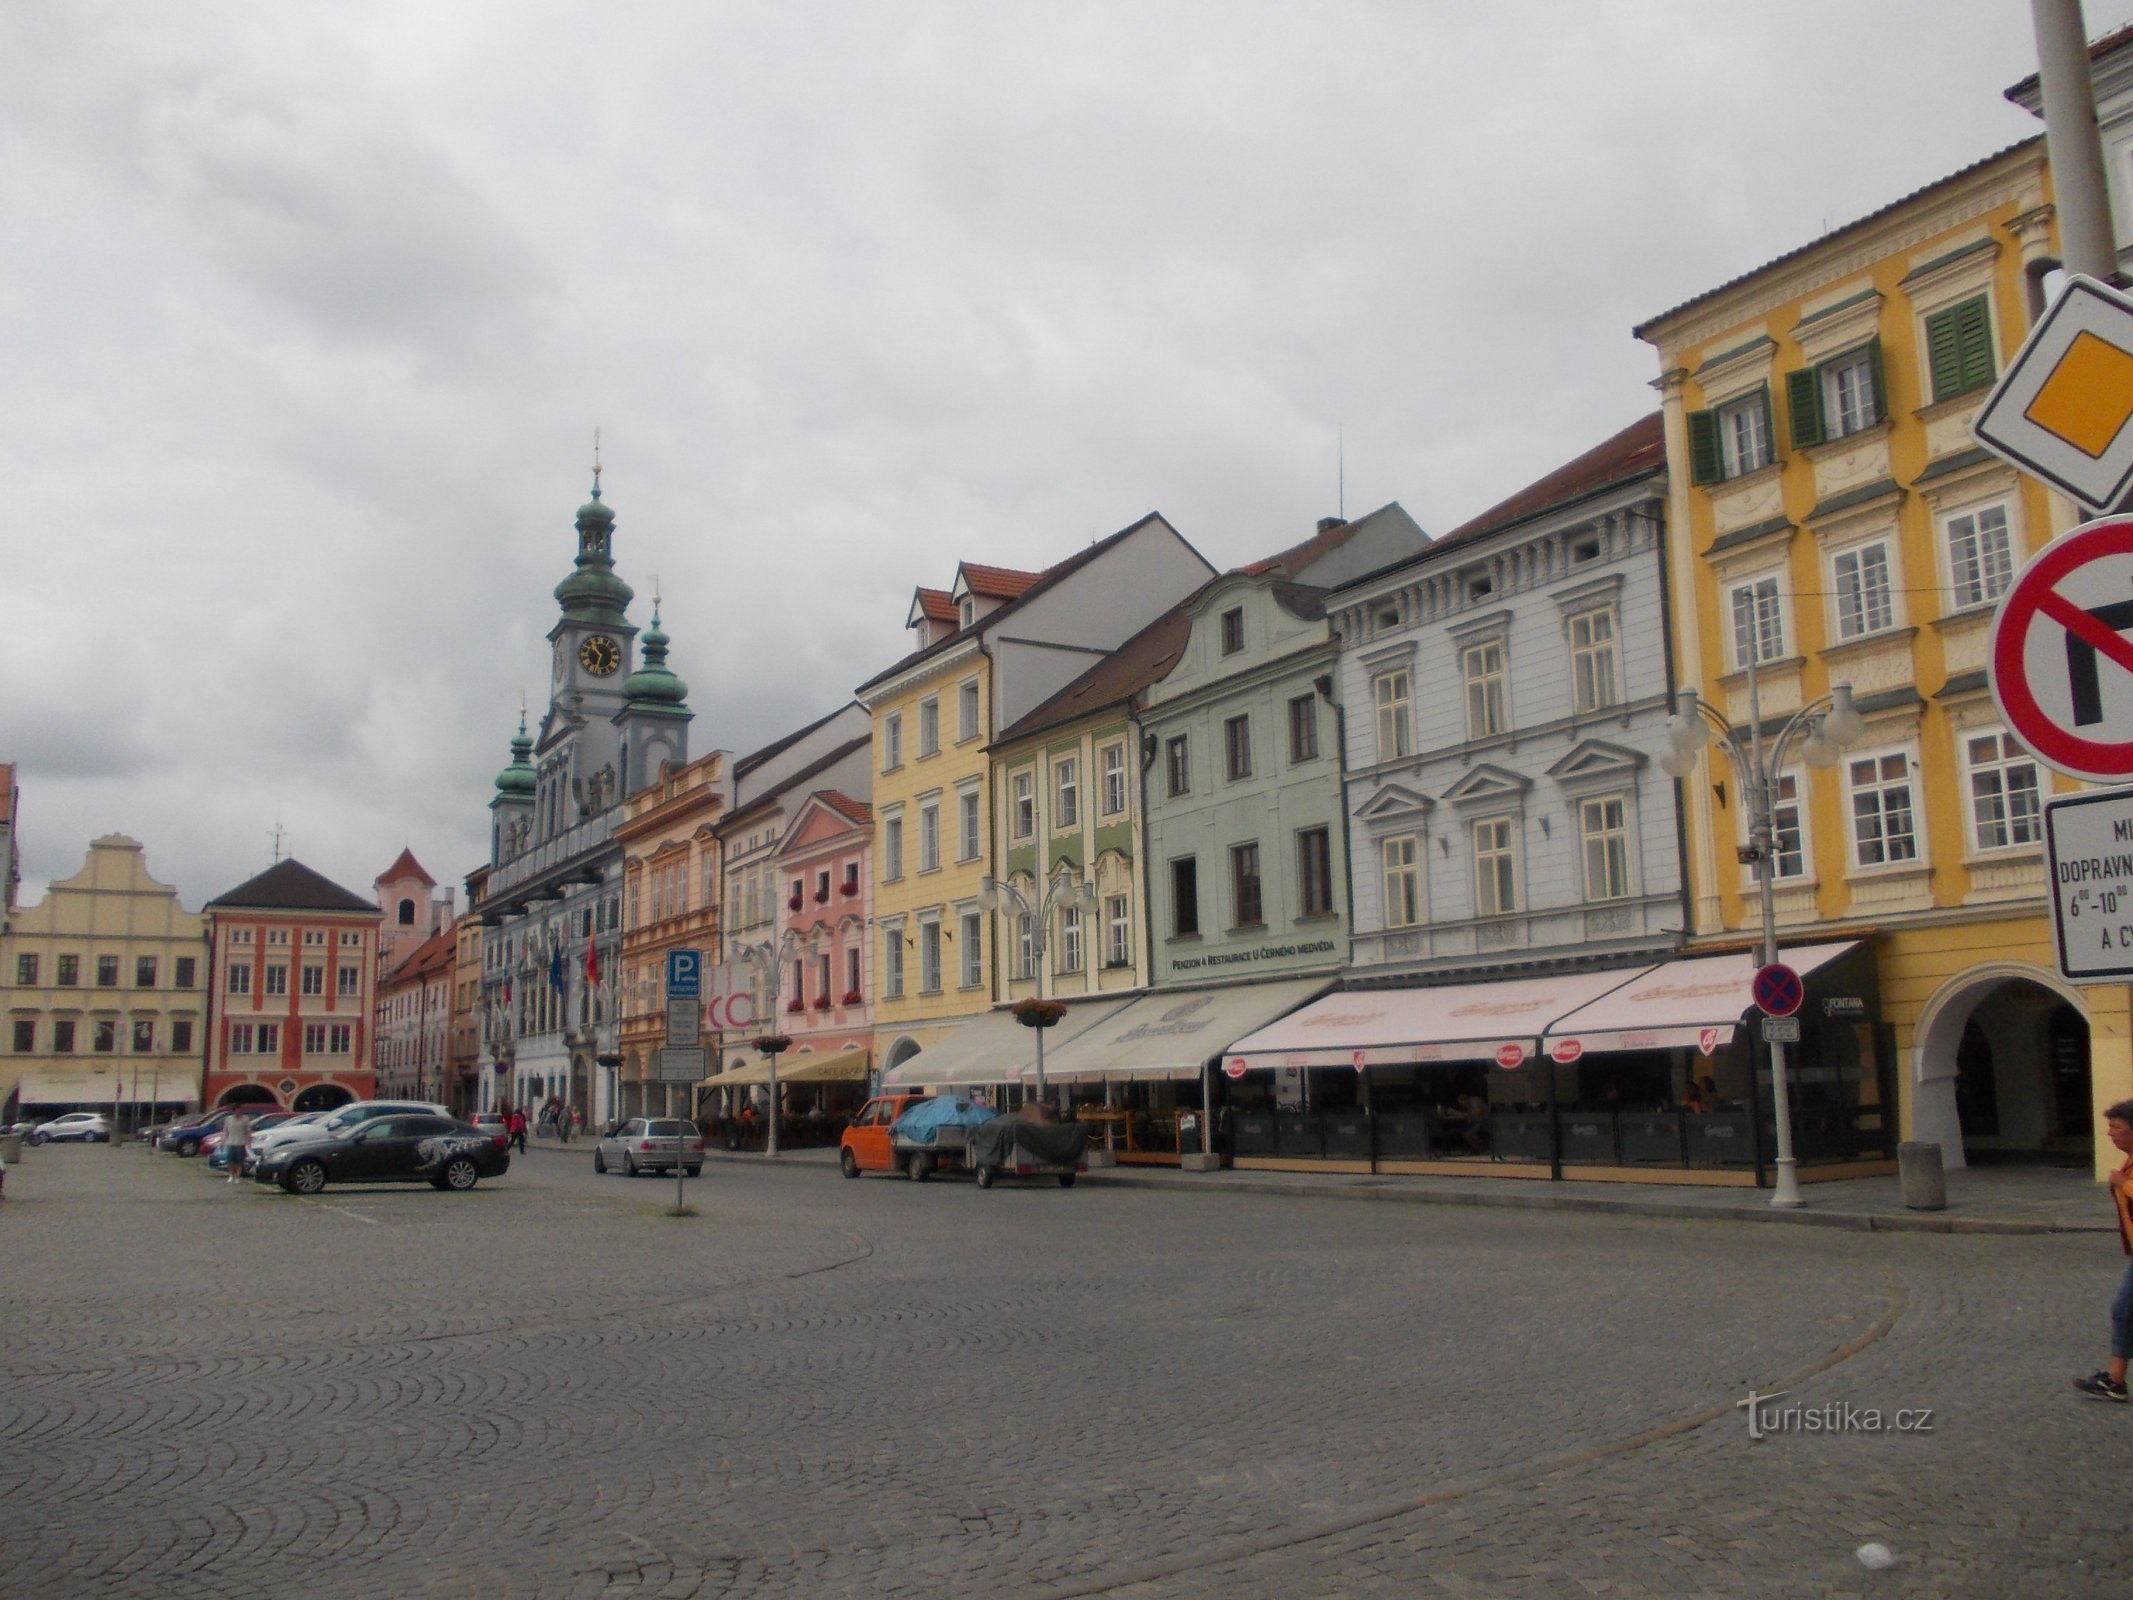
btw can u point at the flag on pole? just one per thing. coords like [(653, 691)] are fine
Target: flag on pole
[(592, 962), (555, 969)]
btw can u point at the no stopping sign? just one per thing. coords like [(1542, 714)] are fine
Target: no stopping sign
[(2062, 653)]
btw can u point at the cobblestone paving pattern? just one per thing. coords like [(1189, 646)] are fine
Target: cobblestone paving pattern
[(823, 1388)]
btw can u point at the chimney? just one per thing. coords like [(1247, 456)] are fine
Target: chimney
[(1328, 524)]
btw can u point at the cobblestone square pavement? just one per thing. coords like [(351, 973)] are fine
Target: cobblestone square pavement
[(825, 1388)]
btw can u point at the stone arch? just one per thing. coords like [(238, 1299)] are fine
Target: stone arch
[(900, 1052), (1937, 1039), (322, 1097), (248, 1094)]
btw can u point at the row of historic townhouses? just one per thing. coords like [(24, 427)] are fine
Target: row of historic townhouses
[(1834, 526), (412, 1034), (763, 937), (553, 912), (104, 997), (464, 1073), (292, 988), (414, 910), (824, 871), (670, 901), (1001, 644)]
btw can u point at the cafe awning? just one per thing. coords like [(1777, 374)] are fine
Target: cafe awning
[(1692, 1004), (1499, 1023), (846, 1066), (993, 1048), (94, 1086), (1173, 1034)]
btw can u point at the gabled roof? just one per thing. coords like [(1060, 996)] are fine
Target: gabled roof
[(1332, 533), (407, 867), (845, 806), (1642, 329), (750, 762), (1637, 451), (931, 605), (1118, 677), (991, 583), (762, 802), (1051, 576), (436, 953), (291, 886)]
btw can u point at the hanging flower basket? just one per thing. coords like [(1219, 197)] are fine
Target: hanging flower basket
[(772, 1044), (1037, 1013)]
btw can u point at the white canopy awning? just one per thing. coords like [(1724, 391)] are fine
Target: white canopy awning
[(993, 1048), (1497, 1022), (93, 1086), (1173, 1034), (1692, 1004)]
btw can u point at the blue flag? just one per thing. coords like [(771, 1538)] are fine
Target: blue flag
[(555, 969)]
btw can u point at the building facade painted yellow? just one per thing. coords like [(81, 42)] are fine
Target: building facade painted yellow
[(1833, 517), (106, 999)]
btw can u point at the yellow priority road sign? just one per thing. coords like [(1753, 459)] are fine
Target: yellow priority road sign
[(2064, 408)]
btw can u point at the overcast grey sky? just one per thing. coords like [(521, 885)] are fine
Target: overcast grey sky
[(310, 313)]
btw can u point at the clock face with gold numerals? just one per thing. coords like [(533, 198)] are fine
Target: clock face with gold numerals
[(599, 655)]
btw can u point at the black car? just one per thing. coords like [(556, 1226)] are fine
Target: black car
[(441, 1151)]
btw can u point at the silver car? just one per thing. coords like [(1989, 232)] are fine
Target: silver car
[(87, 1127), (650, 1144), (330, 1124)]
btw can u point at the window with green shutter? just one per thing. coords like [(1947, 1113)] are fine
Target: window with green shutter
[(1730, 440), (1704, 464), (1959, 347)]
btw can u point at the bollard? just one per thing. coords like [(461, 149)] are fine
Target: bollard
[(1925, 1185)]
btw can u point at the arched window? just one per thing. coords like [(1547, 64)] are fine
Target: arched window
[(407, 913)]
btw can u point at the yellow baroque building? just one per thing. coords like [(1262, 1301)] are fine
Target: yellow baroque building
[(1834, 521), (106, 1004)]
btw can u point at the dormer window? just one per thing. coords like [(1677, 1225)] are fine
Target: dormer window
[(969, 611), (1233, 631)]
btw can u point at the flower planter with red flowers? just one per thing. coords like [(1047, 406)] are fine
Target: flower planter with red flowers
[(851, 886), (822, 1002), (772, 1044), (792, 903), (850, 999), (822, 897), (1037, 1013), (796, 1005)]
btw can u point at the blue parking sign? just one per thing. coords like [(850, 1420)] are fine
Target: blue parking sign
[(685, 974)]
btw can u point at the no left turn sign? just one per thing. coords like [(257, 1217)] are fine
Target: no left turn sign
[(2062, 653)]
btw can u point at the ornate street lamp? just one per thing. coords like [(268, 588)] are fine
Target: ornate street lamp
[(1067, 888), (768, 961), (1821, 729)]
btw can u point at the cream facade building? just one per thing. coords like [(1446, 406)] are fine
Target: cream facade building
[(105, 1000)]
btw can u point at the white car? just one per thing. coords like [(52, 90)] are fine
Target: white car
[(84, 1127), (326, 1124)]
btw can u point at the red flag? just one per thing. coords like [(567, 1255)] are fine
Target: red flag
[(507, 991), (592, 962)]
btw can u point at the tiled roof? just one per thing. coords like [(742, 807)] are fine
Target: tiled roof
[(436, 953), (407, 867), (762, 802), (995, 583), (2098, 49), (291, 886), (1641, 329), (845, 806), (1050, 576), (1638, 449), (935, 604), (1329, 538), (1118, 677)]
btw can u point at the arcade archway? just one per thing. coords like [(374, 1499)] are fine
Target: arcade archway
[(323, 1097), (2001, 1068)]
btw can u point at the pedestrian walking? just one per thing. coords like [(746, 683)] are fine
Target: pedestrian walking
[(516, 1128), (2110, 1382), (236, 1134)]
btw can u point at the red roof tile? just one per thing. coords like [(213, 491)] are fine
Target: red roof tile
[(1638, 449), (407, 867), (995, 583), (845, 806), (935, 605)]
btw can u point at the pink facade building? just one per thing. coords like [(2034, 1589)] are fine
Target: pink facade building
[(824, 871)]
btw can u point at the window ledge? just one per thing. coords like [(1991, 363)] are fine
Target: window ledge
[(1319, 916), (1775, 469), (1840, 443), (1738, 677), (1247, 927), (1982, 611), (1890, 873), (2006, 855), (1844, 649)]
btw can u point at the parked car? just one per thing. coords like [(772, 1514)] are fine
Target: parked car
[(186, 1140), (165, 1132), (326, 1124), (650, 1144), (394, 1148), (216, 1148), (492, 1123), (864, 1146), (76, 1127)]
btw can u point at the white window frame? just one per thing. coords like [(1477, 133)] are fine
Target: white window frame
[(1484, 674), (1070, 954), (892, 962), (1118, 930), (1744, 450), (1595, 659), (1401, 861), (2009, 760), (929, 726), (1022, 806), (892, 741), (1025, 945), (1837, 421), (970, 824), (1500, 847), (1800, 814), (1852, 760), (1392, 693), (929, 837), (966, 711), (1066, 793), (1768, 612), (1989, 577), (1856, 610), (929, 957), (892, 846), (971, 925), (1113, 758), (1612, 836)]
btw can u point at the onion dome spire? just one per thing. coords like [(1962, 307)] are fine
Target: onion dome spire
[(519, 778), (593, 593), (653, 684)]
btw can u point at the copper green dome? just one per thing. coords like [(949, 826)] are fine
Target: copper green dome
[(593, 593), (518, 779), (653, 684)]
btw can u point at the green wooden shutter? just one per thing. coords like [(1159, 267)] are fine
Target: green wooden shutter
[(1944, 353), (1705, 463), (1803, 399), (1881, 379), (1974, 331)]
